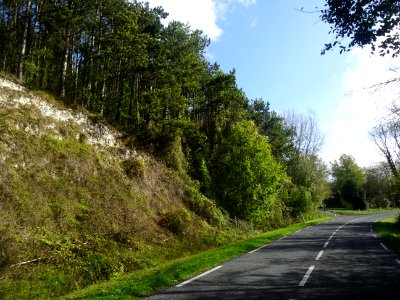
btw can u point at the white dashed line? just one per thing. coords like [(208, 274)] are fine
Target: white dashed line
[(306, 276), (198, 276), (326, 244), (319, 255), (384, 247), (398, 261)]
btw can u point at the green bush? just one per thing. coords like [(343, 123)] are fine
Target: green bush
[(177, 221), (398, 221), (204, 207), (300, 201), (134, 167), (97, 266), (246, 177)]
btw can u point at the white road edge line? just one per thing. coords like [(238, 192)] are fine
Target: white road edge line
[(384, 247), (319, 255), (252, 251), (306, 276), (198, 276)]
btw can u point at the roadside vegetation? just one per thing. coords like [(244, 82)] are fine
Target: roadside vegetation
[(389, 231), (80, 205), (352, 212), (148, 282)]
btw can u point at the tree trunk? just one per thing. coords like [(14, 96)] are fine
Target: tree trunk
[(64, 67), (24, 40)]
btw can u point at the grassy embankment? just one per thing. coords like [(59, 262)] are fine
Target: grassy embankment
[(79, 206), (389, 230), (345, 211), (148, 281)]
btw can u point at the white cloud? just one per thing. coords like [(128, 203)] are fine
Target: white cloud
[(254, 22), (359, 111), (247, 2), (200, 14)]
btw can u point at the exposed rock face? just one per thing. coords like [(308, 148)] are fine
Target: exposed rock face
[(94, 133)]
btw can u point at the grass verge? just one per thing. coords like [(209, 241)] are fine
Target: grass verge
[(147, 282), (352, 212), (389, 231)]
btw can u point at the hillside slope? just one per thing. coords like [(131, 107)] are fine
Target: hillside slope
[(78, 206)]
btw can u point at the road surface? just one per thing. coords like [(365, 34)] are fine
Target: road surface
[(337, 259)]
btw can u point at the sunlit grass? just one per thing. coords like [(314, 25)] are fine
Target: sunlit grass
[(389, 231), (344, 211), (146, 282)]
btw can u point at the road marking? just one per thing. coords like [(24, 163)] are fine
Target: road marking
[(306, 276), (319, 255), (252, 251), (383, 246), (284, 237), (375, 236), (330, 237), (398, 261), (326, 244), (298, 231), (198, 276)]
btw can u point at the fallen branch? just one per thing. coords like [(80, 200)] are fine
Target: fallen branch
[(28, 262)]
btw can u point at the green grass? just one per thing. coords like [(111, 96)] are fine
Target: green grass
[(345, 211), (147, 282), (389, 232)]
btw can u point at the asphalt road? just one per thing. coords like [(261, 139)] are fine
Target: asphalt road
[(338, 259)]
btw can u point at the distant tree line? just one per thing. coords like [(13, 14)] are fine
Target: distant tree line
[(117, 59), (374, 23)]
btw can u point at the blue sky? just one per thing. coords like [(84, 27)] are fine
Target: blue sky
[(275, 50)]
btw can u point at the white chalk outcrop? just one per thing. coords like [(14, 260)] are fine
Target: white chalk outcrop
[(95, 133)]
